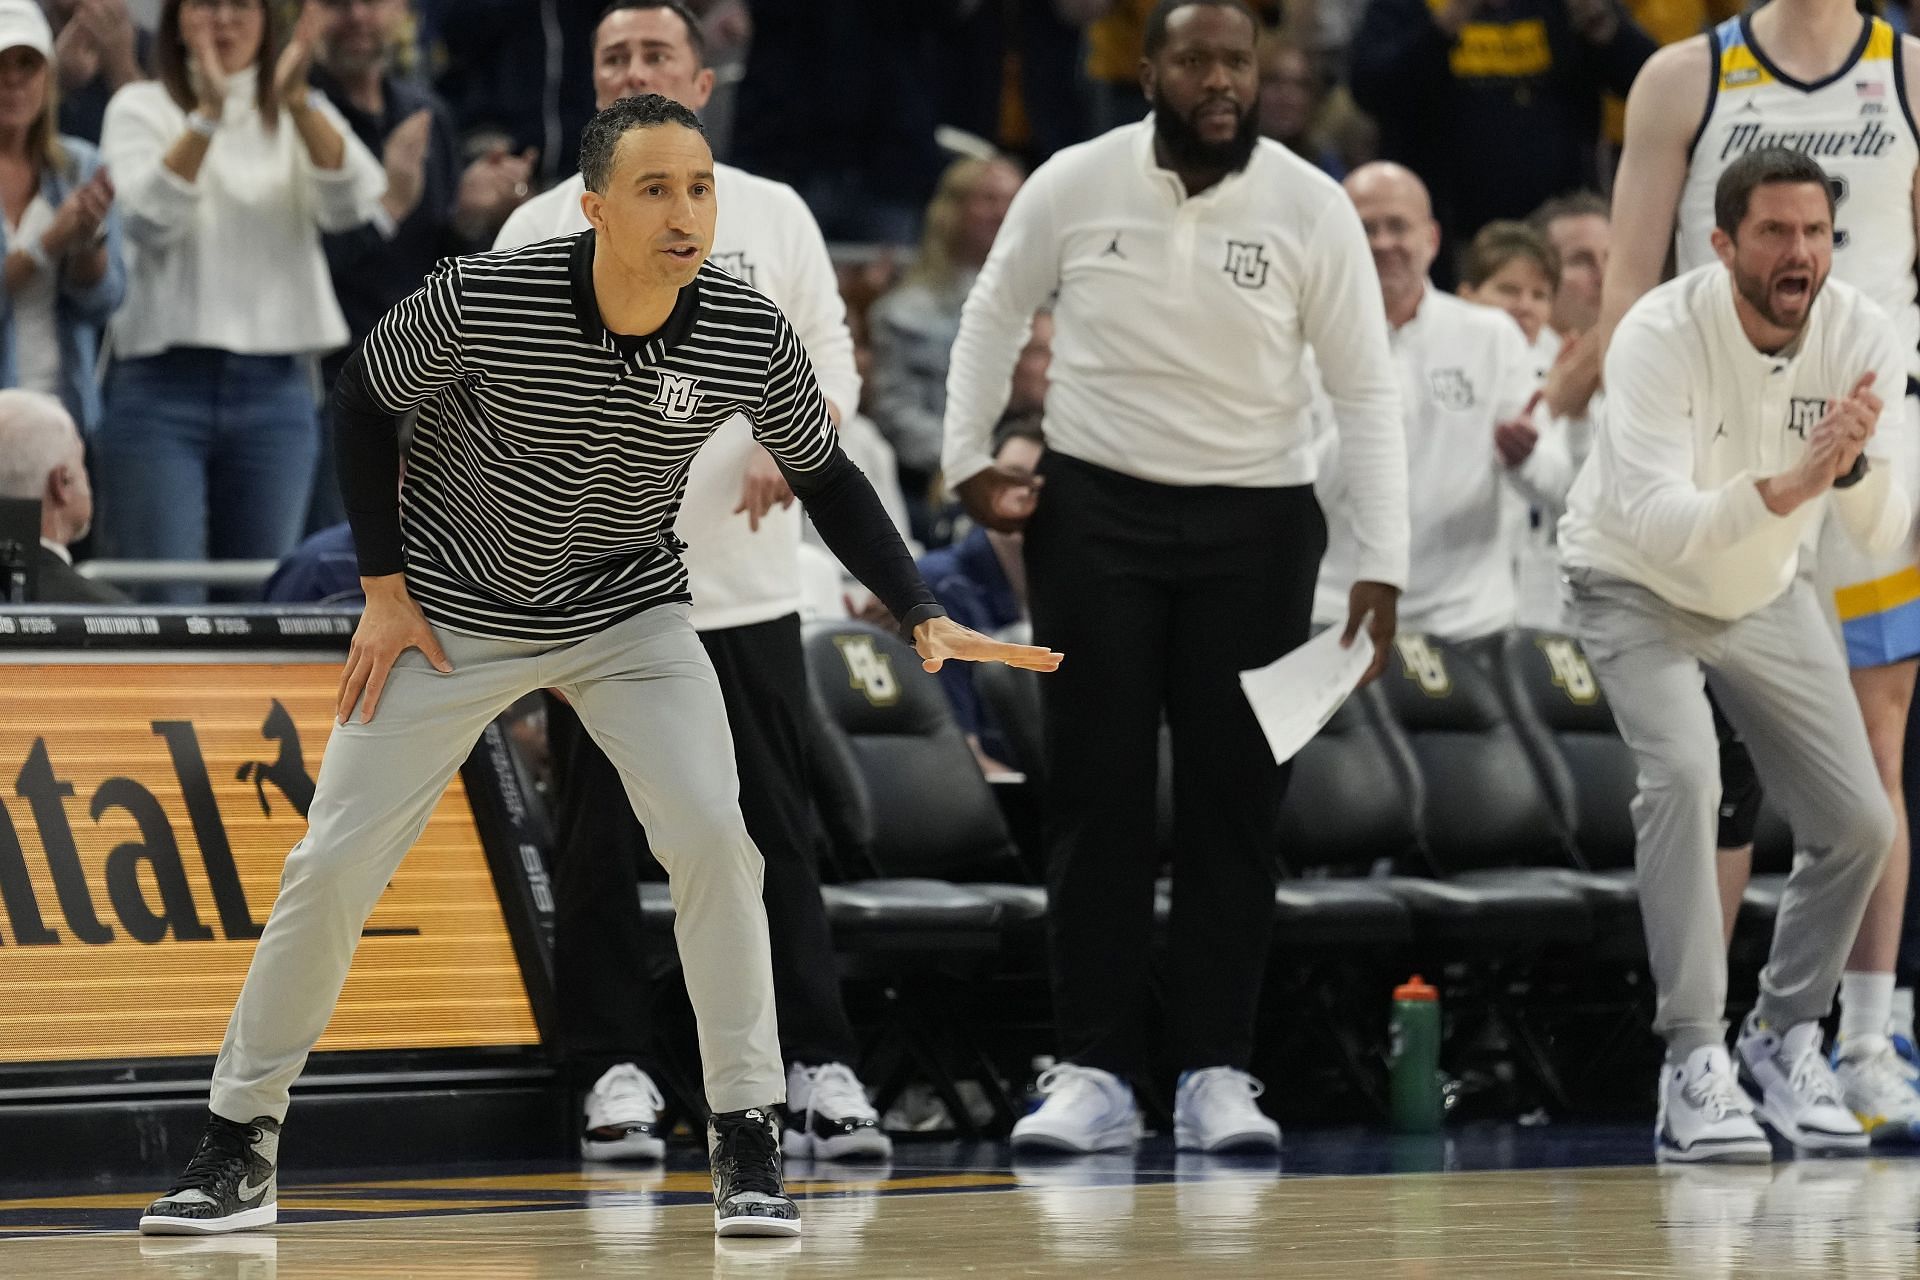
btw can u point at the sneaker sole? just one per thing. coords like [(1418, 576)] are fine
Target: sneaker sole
[(245, 1220), (1733, 1151), (864, 1144), (635, 1147), (1889, 1133), (1042, 1141), (1809, 1139), (750, 1226), (1250, 1140)]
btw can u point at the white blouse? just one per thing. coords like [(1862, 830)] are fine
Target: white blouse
[(232, 260)]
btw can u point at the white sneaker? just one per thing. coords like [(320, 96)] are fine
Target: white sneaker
[(829, 1116), (1086, 1109), (1875, 1087), (623, 1117), (1213, 1110), (1704, 1114), (1798, 1095)]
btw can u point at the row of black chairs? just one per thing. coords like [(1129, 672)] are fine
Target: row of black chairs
[(1468, 815)]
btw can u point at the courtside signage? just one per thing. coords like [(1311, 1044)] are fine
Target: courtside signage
[(145, 814)]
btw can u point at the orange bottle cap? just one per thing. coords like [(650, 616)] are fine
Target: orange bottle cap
[(1415, 988)]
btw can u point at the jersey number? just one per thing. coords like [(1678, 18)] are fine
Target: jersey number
[(1839, 188)]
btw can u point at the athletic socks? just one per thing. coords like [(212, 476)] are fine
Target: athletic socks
[(1866, 1009), (1901, 1023)]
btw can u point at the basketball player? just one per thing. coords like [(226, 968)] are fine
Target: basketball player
[(1682, 542), (562, 392), (1816, 76)]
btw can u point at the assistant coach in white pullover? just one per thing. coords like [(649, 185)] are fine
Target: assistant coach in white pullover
[(1465, 371), (1176, 541), (1744, 397), (743, 566)]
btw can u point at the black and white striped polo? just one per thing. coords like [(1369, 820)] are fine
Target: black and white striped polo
[(549, 456)]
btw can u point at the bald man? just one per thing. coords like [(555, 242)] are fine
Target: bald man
[(1474, 461), (41, 458)]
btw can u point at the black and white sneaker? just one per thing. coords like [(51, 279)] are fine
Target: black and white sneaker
[(623, 1117), (829, 1116), (229, 1185), (749, 1198)]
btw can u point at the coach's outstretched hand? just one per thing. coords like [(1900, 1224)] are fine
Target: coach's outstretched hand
[(938, 639), (391, 625)]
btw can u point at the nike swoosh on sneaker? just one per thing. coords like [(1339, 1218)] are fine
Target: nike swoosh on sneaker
[(248, 1191)]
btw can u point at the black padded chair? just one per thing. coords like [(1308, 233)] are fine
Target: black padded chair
[(1562, 715), (942, 883), (1493, 843), (1348, 809)]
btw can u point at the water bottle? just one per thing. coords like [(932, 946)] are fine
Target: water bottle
[(1413, 1070)]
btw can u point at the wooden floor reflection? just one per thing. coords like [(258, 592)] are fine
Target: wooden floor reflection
[(1853, 1218)]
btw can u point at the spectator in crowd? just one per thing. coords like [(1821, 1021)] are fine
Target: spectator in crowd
[(64, 273), (1494, 103), (97, 51), (913, 327), (1292, 91), (1116, 35), (230, 168), (322, 569), (1465, 382), (1011, 75), (1511, 266), (1581, 232), (432, 208), (861, 151), (511, 75), (41, 457), (982, 581)]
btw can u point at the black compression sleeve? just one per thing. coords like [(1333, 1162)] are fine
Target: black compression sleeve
[(367, 458), (843, 506)]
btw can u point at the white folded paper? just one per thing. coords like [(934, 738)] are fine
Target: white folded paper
[(1296, 696)]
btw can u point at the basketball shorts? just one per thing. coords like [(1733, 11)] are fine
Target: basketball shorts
[(1873, 602)]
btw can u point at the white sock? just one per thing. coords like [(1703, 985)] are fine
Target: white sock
[(1901, 1023), (1866, 1006)]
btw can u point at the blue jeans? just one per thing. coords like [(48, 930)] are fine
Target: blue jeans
[(206, 455)]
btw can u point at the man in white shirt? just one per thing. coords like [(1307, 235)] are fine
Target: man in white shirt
[(1820, 76), (742, 532), (1466, 377), (1744, 401), (1175, 543)]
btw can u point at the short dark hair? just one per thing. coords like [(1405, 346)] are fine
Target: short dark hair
[(1578, 204), (1768, 166), (602, 138), (1156, 33), (696, 35), (1498, 243)]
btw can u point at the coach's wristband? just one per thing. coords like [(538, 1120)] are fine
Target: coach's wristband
[(1854, 476), (205, 126)]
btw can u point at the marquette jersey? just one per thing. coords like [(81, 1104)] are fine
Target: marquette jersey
[(1856, 123)]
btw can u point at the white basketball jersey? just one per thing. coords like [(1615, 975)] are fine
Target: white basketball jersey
[(1855, 122)]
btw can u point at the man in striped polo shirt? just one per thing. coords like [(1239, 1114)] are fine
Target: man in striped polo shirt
[(562, 392)]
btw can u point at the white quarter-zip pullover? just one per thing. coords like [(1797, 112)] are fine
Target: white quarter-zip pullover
[(763, 235), (1696, 416), (1181, 328), (1463, 368)]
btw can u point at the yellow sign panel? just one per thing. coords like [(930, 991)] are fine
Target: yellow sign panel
[(145, 813)]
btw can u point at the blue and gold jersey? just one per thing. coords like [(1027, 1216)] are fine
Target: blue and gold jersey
[(1855, 122)]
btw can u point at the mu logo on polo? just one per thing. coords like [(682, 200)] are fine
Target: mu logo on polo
[(679, 396)]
